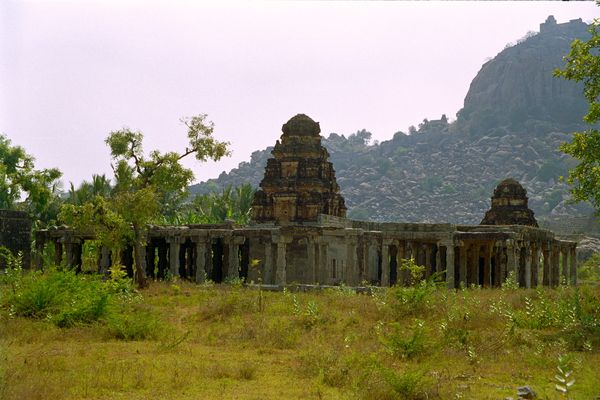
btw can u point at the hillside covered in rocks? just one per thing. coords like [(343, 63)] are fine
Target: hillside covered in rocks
[(513, 120)]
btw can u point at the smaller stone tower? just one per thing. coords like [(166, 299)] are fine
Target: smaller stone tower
[(299, 181), (509, 206)]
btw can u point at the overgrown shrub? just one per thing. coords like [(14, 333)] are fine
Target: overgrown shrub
[(404, 344), (61, 297), (66, 299), (137, 324)]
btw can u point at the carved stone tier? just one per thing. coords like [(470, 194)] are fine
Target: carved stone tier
[(299, 181), (509, 206)]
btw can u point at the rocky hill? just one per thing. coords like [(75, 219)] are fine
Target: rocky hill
[(511, 125)]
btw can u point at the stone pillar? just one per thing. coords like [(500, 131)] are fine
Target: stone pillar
[(487, 265), (450, 284), (512, 261), (402, 273), (438, 259), (174, 247), (323, 267), (428, 265), (385, 264), (414, 251), (564, 276), (233, 261), (500, 265), (201, 255), (40, 243), (69, 254), (520, 254), (555, 265), (351, 277), (104, 260), (474, 270), (268, 264), (280, 272), (312, 265), (462, 272), (58, 250), (573, 264), (535, 264), (528, 253), (546, 252)]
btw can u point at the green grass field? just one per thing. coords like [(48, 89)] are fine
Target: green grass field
[(72, 337)]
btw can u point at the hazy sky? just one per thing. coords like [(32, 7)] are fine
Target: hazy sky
[(72, 71)]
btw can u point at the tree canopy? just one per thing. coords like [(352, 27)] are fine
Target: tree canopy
[(22, 187), (583, 65), (145, 186)]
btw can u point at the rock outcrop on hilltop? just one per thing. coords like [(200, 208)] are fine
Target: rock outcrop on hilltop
[(513, 121), (517, 90)]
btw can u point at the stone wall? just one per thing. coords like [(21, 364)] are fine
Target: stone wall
[(15, 235)]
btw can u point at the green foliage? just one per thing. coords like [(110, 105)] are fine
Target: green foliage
[(401, 344), (572, 315), (511, 282), (14, 269), (564, 376), (138, 324), (19, 178), (145, 186), (66, 299), (408, 384), (415, 298), (60, 297), (231, 204), (308, 315), (583, 65), (589, 271), (87, 191)]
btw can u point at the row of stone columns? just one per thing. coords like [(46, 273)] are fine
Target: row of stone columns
[(486, 263), (393, 251)]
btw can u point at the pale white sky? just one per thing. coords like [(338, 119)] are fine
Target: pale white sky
[(72, 71)]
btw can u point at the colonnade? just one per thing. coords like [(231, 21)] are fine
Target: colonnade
[(485, 263), (347, 255)]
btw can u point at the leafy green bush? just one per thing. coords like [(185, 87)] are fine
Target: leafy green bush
[(408, 385), (404, 345), (135, 324), (67, 299), (590, 270), (61, 297)]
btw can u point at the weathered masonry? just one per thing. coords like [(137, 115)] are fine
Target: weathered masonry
[(15, 235), (299, 235)]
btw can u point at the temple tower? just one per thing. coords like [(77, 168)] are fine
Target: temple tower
[(509, 206), (299, 181)]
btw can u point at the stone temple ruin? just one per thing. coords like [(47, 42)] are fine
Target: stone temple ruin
[(15, 231), (299, 234)]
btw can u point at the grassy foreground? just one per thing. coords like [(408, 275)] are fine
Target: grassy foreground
[(69, 337)]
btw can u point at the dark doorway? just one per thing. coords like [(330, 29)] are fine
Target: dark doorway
[(393, 265), (457, 262), (127, 260), (216, 273)]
